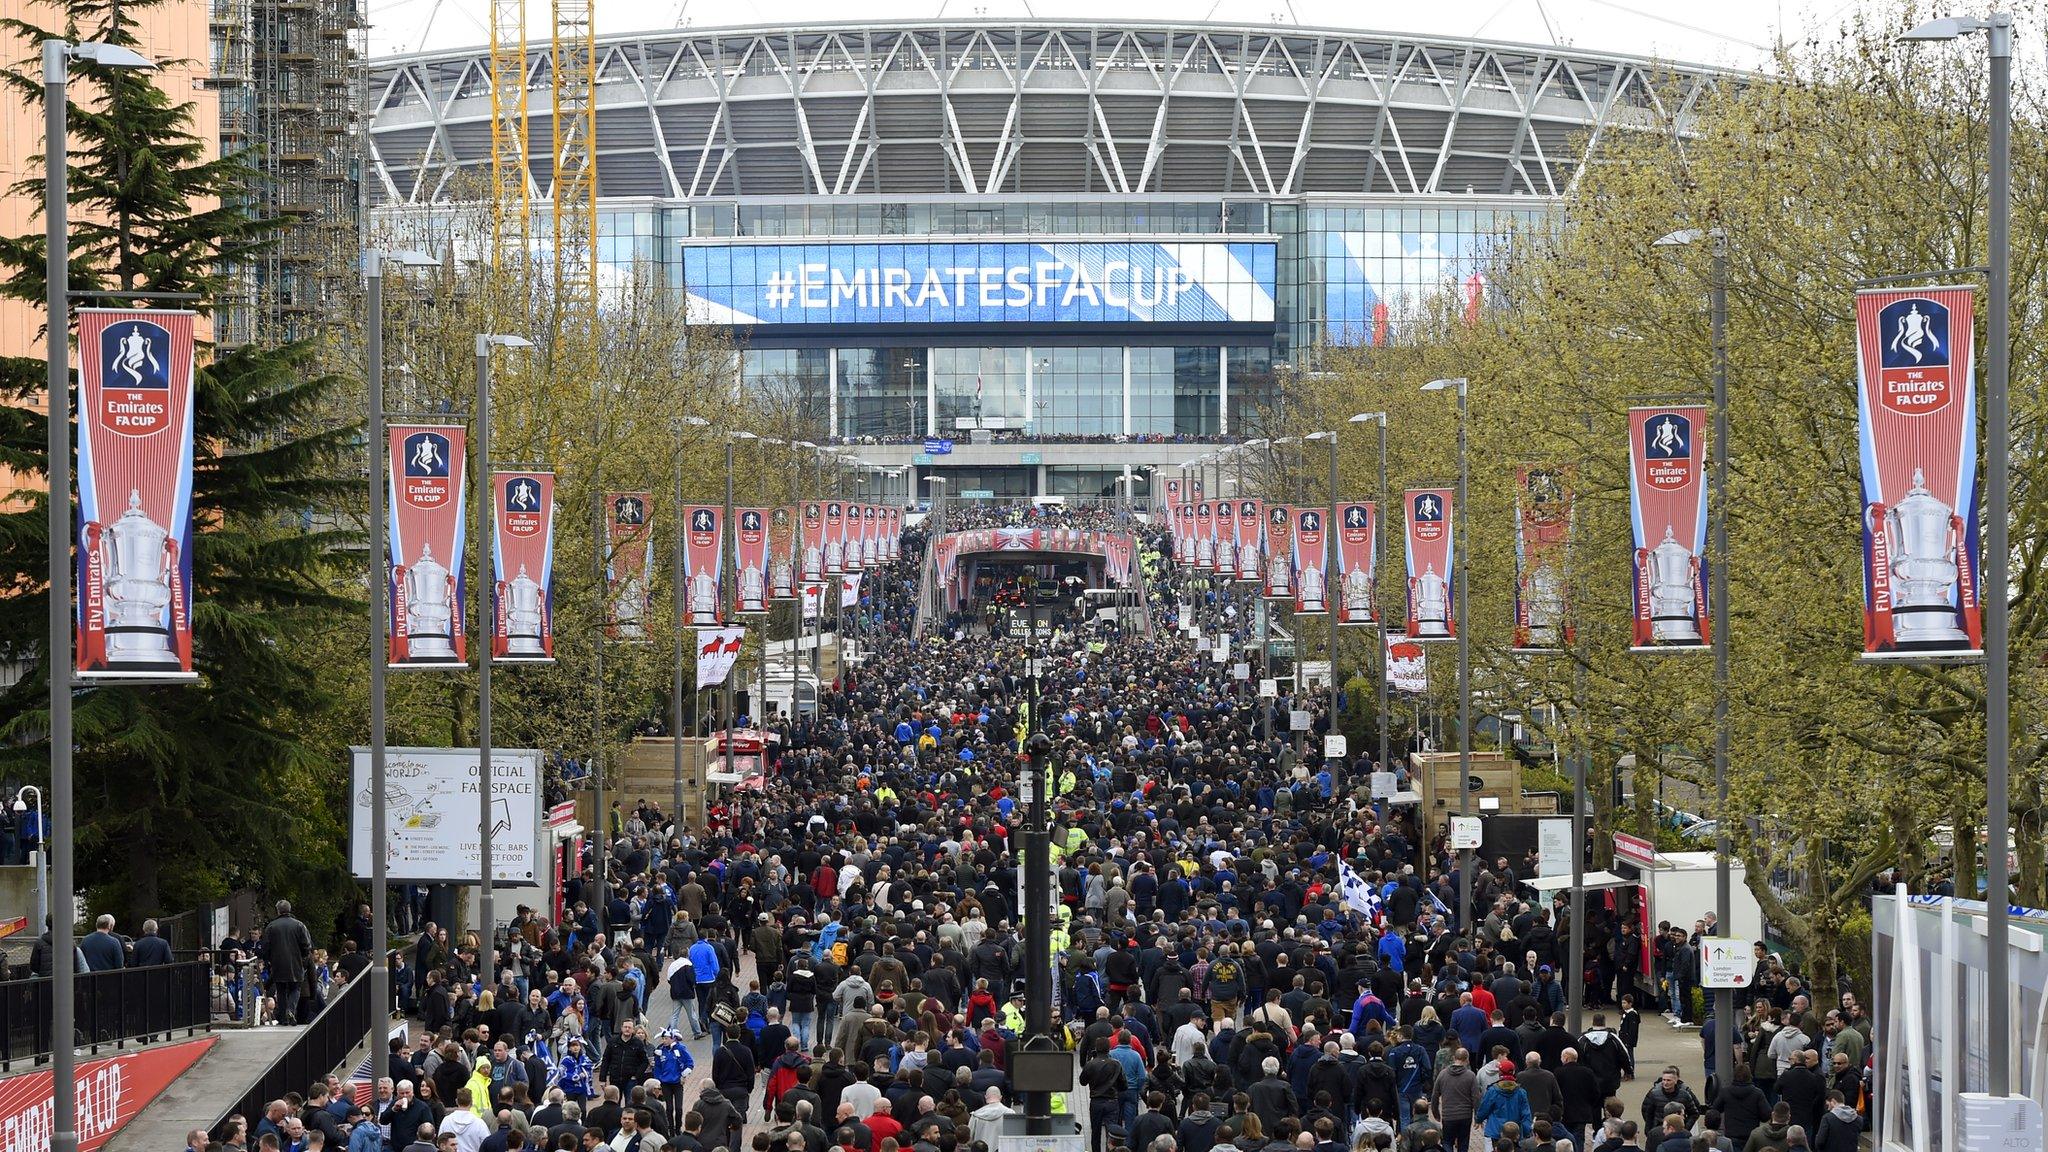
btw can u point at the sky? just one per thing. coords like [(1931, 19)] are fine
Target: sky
[(1728, 33)]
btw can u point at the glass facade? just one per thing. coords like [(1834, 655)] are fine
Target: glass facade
[(979, 388), (880, 392), (1078, 391)]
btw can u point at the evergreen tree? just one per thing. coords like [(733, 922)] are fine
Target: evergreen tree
[(184, 793)]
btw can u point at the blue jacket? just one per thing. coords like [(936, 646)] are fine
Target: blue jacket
[(704, 958), (576, 1077), (365, 1138), (1504, 1102), (671, 1063)]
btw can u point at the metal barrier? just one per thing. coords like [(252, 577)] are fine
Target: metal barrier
[(112, 1008), (315, 1052)]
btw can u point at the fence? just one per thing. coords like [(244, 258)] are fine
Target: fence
[(314, 1053), (112, 1008)]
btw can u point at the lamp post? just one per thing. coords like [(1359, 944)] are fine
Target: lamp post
[(21, 808), (677, 611), (57, 55), (488, 949), (374, 262), (1717, 594), (1464, 567), (1997, 29), (1380, 418), (1330, 566), (729, 586)]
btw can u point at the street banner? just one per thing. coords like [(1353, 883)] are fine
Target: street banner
[(703, 565), (782, 563), (1195, 491), (849, 590), (523, 567), (1667, 488), (871, 535), (892, 533), (1225, 521), (1311, 577), (1180, 524), (1251, 522), (133, 567), (1543, 529), (717, 650), (1172, 492), (1358, 539), (1432, 580), (1916, 408), (835, 538), (1279, 553), (750, 558), (1407, 664), (855, 535), (813, 593), (427, 528), (1205, 539), (811, 542), (629, 561)]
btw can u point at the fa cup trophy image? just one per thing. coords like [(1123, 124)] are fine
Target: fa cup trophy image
[(753, 588), (629, 608), (1280, 574), (136, 555), (1432, 605), (523, 616), (1545, 598), (1923, 538), (429, 609), (1226, 555), (1674, 582), (1312, 588), (703, 595), (1357, 595)]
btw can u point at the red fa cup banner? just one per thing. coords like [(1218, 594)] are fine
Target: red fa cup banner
[(835, 538), (133, 618), (895, 533), (1279, 579), (1172, 495), (1225, 522), (1358, 540), (1311, 560), (1543, 528), (750, 558), (1667, 488), (427, 527), (1195, 489), (782, 561), (1916, 407), (703, 565), (629, 557), (854, 535), (1251, 522), (1183, 525), (871, 542), (523, 566), (811, 543), (1432, 579), (1205, 536)]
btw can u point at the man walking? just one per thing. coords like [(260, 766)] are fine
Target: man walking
[(286, 948)]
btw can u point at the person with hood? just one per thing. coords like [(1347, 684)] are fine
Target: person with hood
[(1504, 1103), (722, 1122), (1742, 1106), (1840, 1129), (985, 1123), (789, 1069), (1773, 1135), (1412, 1064), (1455, 1098), (1378, 1086), (1602, 1051)]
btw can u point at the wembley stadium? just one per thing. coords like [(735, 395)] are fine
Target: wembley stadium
[(1023, 241)]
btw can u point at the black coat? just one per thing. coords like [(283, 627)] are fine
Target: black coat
[(286, 947), (1743, 1107), (1579, 1094), (1805, 1091)]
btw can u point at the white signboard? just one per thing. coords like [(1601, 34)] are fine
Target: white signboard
[(1269, 688), (431, 816), (1334, 745), (1554, 847), (1298, 720), (1240, 671), (1384, 785), (2000, 1123), (1221, 652), (1464, 833), (1726, 962)]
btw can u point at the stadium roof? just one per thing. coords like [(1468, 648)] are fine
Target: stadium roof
[(1042, 108)]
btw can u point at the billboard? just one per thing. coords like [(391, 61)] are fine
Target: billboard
[(1110, 282), (1667, 488), (629, 562), (1358, 542), (1543, 528), (431, 816), (133, 617), (1432, 580), (750, 558), (427, 529), (523, 566), (1916, 410), (703, 565)]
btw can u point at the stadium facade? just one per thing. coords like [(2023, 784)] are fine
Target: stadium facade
[(1073, 250)]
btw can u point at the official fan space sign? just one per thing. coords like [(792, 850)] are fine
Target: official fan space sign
[(703, 565), (629, 558), (1543, 526), (1667, 490), (1432, 578), (750, 558), (1916, 407), (432, 834), (1358, 538), (1311, 581), (133, 618), (523, 566), (428, 474)]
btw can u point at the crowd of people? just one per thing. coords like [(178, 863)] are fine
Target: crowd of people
[(1252, 954)]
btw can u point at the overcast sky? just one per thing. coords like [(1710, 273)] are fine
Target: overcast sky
[(1736, 33)]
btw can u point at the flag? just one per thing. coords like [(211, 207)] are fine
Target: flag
[(849, 590), (522, 625), (1668, 510), (717, 650), (426, 531), (1358, 895)]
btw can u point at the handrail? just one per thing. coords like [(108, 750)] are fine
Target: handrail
[(313, 1053), (112, 1008)]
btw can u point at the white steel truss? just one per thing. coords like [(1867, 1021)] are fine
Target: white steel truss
[(988, 108)]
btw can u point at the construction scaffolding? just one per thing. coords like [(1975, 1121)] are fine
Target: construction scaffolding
[(289, 109)]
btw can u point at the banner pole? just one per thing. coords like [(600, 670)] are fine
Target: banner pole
[(676, 594), (380, 931), (487, 498)]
